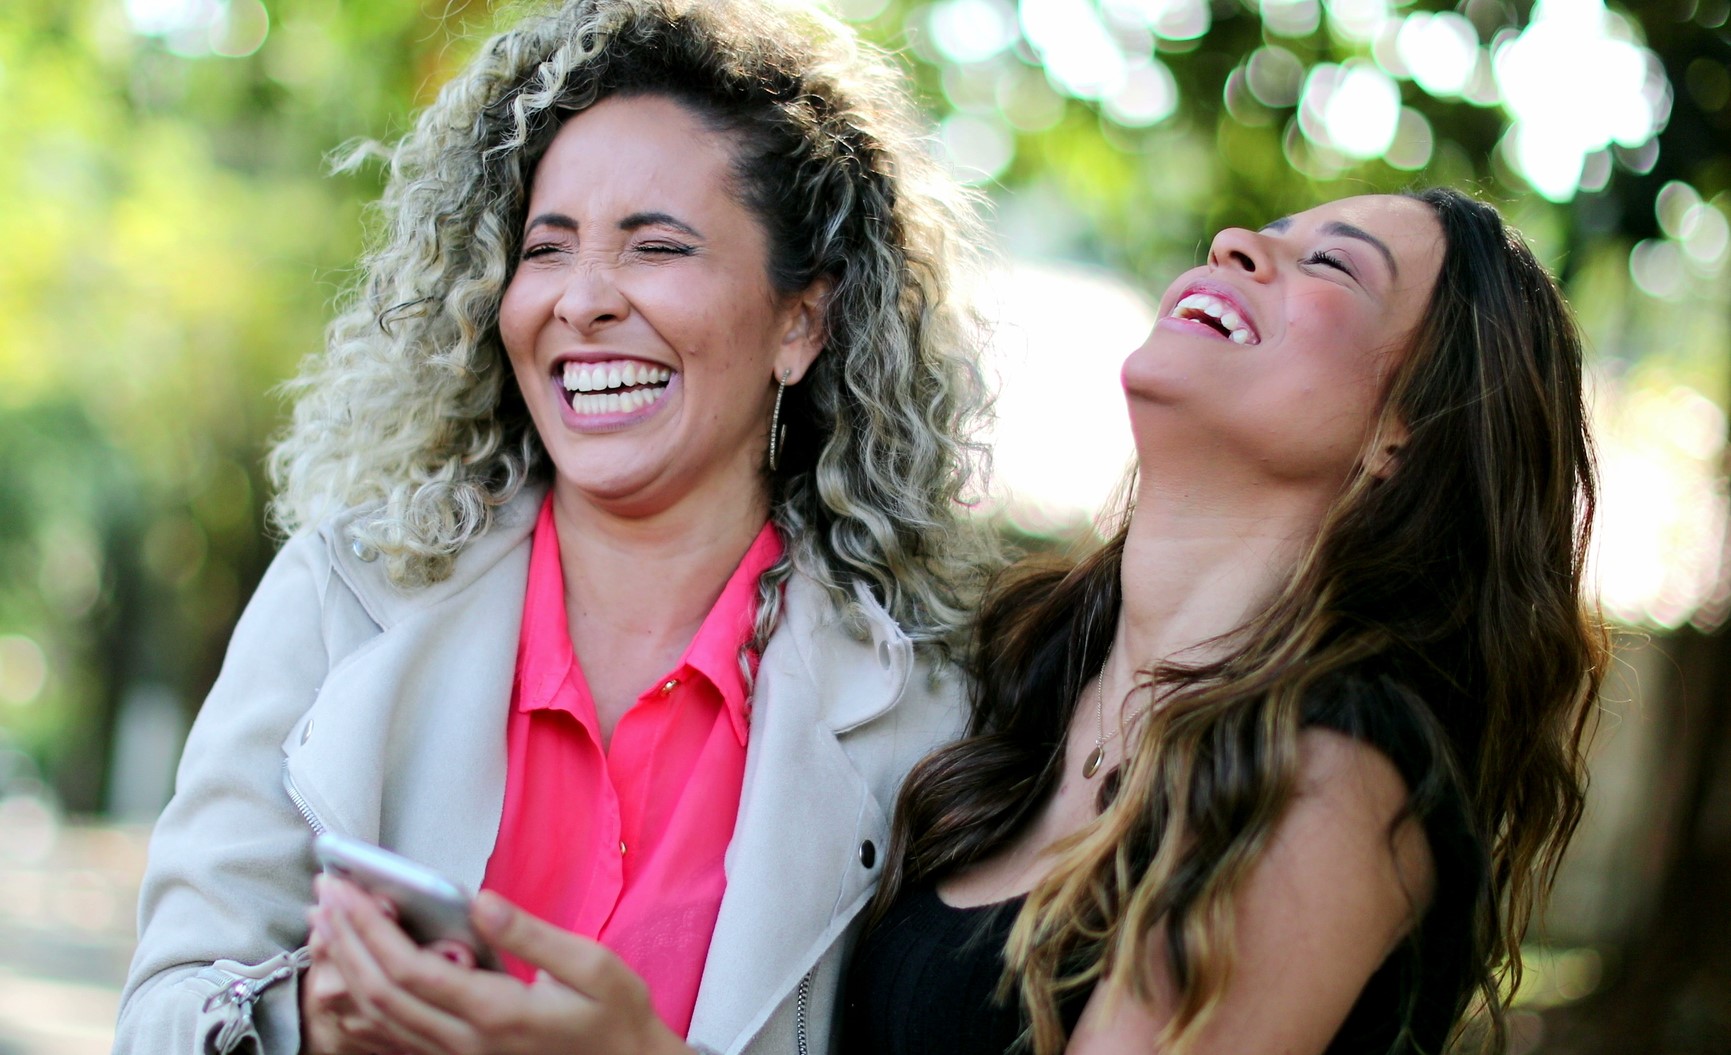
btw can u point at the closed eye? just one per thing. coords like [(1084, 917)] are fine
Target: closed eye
[(1327, 258), (543, 249), (666, 248)]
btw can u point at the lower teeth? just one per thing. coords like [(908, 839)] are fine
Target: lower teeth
[(613, 402)]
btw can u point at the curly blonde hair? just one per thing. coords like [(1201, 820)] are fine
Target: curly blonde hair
[(411, 412)]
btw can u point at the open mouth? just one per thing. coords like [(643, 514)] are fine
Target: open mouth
[(1217, 314), (617, 386)]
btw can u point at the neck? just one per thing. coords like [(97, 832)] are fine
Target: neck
[(1198, 564), (655, 577)]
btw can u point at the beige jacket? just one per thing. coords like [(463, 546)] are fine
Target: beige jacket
[(347, 704)]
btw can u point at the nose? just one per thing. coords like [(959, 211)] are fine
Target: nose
[(1244, 251), (591, 300)]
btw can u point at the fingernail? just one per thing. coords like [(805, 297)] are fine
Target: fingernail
[(491, 912)]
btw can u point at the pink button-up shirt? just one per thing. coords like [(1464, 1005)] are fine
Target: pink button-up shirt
[(624, 844)]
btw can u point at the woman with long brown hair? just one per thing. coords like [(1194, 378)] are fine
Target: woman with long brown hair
[(1285, 766)]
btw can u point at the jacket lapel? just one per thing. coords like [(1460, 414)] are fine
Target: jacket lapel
[(405, 744), (795, 879)]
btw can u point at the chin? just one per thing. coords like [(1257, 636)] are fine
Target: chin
[(1153, 384), (600, 483)]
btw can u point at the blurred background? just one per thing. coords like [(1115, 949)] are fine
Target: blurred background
[(171, 243)]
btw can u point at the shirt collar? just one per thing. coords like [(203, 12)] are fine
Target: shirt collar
[(713, 652), (544, 655)]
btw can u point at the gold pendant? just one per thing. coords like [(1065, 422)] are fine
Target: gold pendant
[(1092, 765)]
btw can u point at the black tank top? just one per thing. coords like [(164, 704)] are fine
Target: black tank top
[(924, 980)]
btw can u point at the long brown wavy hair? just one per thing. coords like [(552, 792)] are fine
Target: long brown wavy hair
[(1456, 581)]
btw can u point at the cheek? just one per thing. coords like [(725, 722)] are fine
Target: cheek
[(514, 327)]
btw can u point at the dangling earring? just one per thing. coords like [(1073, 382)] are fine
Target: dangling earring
[(777, 434)]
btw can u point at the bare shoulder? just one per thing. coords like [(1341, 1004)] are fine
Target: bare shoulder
[(1344, 875), (1335, 765), (1349, 820)]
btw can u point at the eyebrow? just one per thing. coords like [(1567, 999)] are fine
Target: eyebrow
[(629, 223), (551, 219), (1346, 230), (657, 219)]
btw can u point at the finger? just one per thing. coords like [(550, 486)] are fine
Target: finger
[(454, 951), (576, 962), (466, 1000), (325, 885), (392, 1018), (330, 1022)]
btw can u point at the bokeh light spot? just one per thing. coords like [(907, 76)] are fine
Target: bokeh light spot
[(160, 18), (1026, 100), (1414, 142), (859, 10), (972, 30), (1675, 207), (1363, 112), (1291, 18), (239, 29), (1656, 265), (978, 149), (1079, 54), (1574, 83), (1275, 76), (1708, 236), (23, 669), (1168, 19), (1358, 21), (1149, 95), (1353, 109), (1440, 50), (1596, 171)]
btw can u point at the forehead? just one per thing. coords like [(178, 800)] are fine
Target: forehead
[(642, 142), (1408, 227)]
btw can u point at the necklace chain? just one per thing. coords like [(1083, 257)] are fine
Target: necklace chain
[(1095, 757)]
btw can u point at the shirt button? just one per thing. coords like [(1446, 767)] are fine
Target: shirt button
[(669, 685), (306, 730), (364, 551), (868, 853), (621, 846)]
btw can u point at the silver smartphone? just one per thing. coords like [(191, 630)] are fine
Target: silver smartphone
[(429, 906)]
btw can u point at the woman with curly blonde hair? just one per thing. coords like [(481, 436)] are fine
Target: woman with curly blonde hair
[(626, 563)]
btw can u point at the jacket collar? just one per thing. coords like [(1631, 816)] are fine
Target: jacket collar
[(387, 603), (883, 660), (857, 681)]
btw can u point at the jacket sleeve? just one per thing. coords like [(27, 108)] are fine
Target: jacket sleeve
[(222, 907)]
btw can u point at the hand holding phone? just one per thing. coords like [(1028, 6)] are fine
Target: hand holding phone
[(429, 907)]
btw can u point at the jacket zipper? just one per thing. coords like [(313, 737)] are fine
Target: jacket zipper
[(300, 803), (799, 1002)]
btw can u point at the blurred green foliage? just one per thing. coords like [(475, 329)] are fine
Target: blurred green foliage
[(169, 250)]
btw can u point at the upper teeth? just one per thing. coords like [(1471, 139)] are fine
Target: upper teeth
[(599, 377), (1219, 310)]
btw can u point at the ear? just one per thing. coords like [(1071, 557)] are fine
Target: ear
[(1383, 457), (805, 331)]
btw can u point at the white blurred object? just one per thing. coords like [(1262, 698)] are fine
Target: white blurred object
[(148, 736), (1060, 335), (1575, 82), (1660, 535)]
